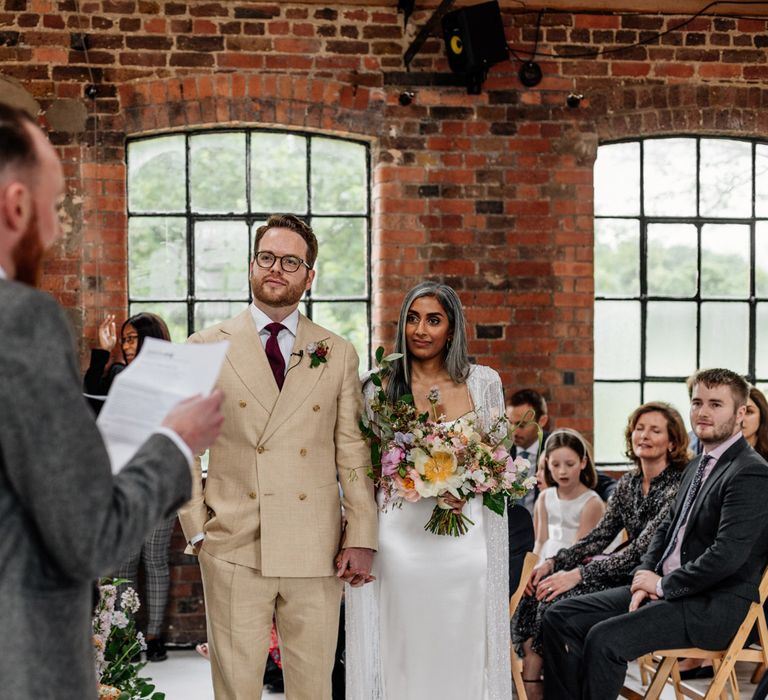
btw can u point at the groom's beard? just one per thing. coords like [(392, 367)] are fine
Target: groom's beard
[(27, 256)]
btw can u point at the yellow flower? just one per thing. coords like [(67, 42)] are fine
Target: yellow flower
[(440, 466)]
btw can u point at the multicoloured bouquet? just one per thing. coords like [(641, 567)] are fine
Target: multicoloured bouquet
[(116, 642), (418, 455)]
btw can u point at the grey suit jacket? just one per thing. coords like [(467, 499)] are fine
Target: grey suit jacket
[(724, 549), (65, 519)]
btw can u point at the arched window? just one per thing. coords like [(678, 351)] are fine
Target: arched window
[(681, 272), (196, 199)]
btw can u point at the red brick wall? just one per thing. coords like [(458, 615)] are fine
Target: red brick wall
[(492, 193)]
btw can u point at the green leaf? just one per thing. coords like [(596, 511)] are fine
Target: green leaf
[(407, 399), (375, 452), (379, 354), (494, 502), (376, 379)]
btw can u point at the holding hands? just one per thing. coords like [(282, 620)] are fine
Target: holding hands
[(353, 565), (107, 333)]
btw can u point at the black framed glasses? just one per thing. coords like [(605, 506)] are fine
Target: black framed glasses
[(129, 339), (289, 263)]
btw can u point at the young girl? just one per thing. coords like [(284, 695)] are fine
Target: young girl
[(567, 512)]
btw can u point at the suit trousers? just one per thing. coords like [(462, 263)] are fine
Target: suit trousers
[(240, 603), (588, 641)]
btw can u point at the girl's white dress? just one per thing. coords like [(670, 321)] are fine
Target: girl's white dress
[(562, 520), (435, 623)]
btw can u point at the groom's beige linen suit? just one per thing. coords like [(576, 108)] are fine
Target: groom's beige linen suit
[(271, 512)]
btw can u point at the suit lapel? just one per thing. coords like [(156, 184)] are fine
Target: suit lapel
[(249, 361), (300, 379)]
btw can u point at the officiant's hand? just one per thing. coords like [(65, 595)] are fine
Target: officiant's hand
[(353, 565), (197, 421)]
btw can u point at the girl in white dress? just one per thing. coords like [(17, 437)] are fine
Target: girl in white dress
[(434, 623), (567, 512)]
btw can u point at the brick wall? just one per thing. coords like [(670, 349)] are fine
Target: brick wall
[(492, 193)]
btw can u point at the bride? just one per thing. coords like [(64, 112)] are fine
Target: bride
[(434, 623)]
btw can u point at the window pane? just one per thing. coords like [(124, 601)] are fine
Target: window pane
[(347, 319), (726, 178), (157, 258), (761, 179), (617, 255), (672, 260), (617, 339), (669, 177), (761, 258), (209, 313), (670, 338), (278, 173), (221, 260), (617, 180), (217, 173), (341, 269), (338, 177), (174, 315), (157, 175), (761, 346), (725, 260), (674, 393), (613, 404), (725, 336)]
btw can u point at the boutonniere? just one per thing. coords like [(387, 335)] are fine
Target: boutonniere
[(318, 353)]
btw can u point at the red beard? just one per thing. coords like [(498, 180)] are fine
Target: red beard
[(27, 256)]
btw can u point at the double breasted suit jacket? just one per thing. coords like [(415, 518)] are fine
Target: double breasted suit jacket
[(271, 499), (725, 545)]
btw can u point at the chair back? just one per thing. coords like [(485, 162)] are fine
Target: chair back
[(529, 562)]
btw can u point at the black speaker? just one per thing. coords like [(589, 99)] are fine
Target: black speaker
[(474, 38)]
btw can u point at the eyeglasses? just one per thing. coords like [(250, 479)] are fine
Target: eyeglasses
[(289, 263), (129, 340)]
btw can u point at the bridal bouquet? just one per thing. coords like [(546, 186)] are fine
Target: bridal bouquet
[(116, 641), (417, 455)]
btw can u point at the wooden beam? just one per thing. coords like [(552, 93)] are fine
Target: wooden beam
[(681, 7)]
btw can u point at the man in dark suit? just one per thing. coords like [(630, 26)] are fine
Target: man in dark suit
[(700, 573), (66, 519)]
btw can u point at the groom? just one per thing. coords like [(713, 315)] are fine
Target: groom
[(267, 525)]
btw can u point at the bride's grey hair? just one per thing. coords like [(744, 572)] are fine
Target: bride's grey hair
[(456, 359)]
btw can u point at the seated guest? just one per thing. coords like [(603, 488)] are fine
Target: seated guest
[(657, 443), (527, 412), (700, 573)]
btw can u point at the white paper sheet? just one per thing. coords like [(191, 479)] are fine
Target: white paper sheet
[(143, 393)]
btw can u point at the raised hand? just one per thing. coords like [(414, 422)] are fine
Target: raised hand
[(107, 333)]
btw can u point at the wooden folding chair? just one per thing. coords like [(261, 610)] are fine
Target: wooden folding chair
[(530, 561), (723, 661)]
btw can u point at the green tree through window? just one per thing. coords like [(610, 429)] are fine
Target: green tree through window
[(681, 272), (195, 201)]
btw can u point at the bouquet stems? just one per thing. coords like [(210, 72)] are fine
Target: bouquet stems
[(446, 522)]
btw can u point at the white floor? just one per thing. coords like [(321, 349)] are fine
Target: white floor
[(186, 675)]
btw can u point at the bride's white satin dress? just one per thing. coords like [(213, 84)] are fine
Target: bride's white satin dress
[(435, 622)]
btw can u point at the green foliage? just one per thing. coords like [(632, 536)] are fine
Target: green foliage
[(495, 502)]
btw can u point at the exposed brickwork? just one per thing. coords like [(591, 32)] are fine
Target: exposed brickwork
[(492, 192)]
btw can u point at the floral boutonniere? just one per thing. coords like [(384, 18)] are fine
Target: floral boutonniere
[(318, 353)]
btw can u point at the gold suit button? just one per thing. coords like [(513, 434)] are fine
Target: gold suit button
[(260, 449), (303, 452), (302, 496), (252, 494), (315, 408), (243, 404)]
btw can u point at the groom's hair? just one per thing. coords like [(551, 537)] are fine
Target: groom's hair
[(721, 377), (292, 223)]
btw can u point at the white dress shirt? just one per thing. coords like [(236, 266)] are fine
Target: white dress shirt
[(285, 339)]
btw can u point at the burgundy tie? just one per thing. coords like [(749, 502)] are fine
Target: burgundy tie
[(275, 357)]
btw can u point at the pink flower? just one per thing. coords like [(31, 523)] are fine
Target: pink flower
[(406, 487), (390, 460)]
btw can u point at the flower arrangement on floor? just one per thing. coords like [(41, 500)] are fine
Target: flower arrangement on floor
[(419, 455), (116, 641)]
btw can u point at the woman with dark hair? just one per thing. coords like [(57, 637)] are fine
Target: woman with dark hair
[(154, 551), (434, 623), (657, 444), (755, 424), (98, 378)]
